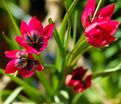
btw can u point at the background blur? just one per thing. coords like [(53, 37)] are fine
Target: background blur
[(97, 59)]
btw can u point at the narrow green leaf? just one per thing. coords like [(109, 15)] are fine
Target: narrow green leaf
[(57, 39), (13, 95), (21, 97), (64, 22), (11, 17), (108, 72), (68, 34), (75, 27)]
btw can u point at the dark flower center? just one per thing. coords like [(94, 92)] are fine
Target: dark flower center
[(79, 77), (26, 63), (35, 41)]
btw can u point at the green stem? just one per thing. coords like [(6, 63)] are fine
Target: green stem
[(98, 6)]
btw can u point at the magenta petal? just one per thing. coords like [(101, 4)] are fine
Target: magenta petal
[(106, 11), (88, 81), (35, 25), (90, 28), (23, 43), (24, 28), (48, 30), (100, 34), (25, 73), (110, 27), (88, 13), (12, 54), (79, 88), (67, 79), (11, 68), (71, 82), (40, 67)]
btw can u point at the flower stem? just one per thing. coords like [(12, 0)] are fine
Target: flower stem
[(98, 6)]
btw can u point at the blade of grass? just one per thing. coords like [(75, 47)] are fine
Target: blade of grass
[(13, 95), (11, 17)]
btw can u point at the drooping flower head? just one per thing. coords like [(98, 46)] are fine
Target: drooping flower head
[(34, 36), (23, 62), (99, 29), (79, 79)]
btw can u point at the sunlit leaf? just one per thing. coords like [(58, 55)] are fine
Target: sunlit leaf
[(13, 95)]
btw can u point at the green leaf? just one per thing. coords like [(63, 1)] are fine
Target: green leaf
[(76, 53), (13, 95), (27, 88), (62, 53), (68, 34), (75, 27), (11, 17), (57, 39), (8, 92), (108, 72), (64, 22), (62, 97), (55, 83)]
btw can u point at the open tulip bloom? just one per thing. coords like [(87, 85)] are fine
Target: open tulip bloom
[(34, 36), (23, 62), (99, 28)]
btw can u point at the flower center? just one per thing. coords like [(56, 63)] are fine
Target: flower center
[(35, 41), (26, 63)]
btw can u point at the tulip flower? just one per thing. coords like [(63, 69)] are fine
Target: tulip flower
[(99, 28), (23, 62), (79, 79), (34, 36)]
